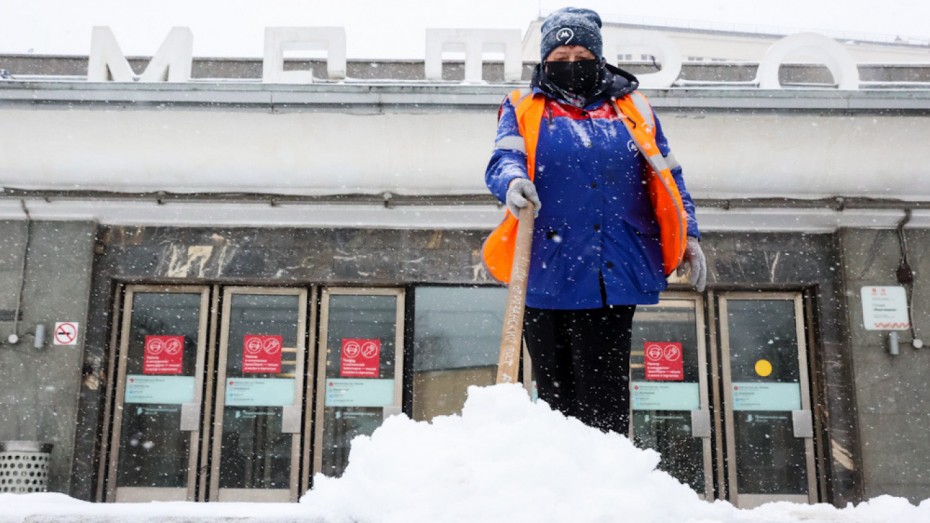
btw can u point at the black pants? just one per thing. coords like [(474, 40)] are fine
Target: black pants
[(581, 362)]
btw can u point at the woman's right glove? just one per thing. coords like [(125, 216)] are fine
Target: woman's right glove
[(521, 191)]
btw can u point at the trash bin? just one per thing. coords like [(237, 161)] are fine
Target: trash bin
[(24, 466)]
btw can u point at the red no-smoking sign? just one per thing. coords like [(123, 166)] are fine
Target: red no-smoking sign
[(163, 355), (361, 358), (261, 353), (663, 361), (66, 333)]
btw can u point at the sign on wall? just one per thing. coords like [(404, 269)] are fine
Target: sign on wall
[(885, 308), (66, 333)]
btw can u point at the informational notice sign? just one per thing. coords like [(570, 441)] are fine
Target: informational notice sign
[(885, 308), (359, 392), (361, 358), (261, 353), (260, 392), (161, 390), (649, 395), (163, 355), (663, 361), (766, 396)]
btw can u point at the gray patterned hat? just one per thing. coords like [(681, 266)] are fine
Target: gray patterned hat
[(571, 26)]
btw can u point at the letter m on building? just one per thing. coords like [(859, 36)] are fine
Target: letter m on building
[(172, 62)]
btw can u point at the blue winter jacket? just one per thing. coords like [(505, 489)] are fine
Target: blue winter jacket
[(595, 241)]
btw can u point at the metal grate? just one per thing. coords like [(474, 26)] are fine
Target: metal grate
[(23, 470)]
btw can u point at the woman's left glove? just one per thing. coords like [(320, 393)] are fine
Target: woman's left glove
[(695, 264)]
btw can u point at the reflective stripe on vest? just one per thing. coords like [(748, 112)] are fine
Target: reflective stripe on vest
[(645, 111), (513, 143), (636, 114), (672, 161)]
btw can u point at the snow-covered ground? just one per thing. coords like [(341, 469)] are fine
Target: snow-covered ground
[(504, 459)]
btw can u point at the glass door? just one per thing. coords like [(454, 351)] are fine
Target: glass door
[(361, 360), (259, 395), (159, 377), (668, 388), (456, 344), (769, 430)]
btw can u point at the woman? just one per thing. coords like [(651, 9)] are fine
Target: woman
[(613, 217)]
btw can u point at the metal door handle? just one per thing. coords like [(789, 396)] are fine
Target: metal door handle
[(803, 423), (700, 423), (290, 419), (190, 416)]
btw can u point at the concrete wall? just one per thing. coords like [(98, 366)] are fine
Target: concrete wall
[(893, 392), (310, 150), (39, 387)]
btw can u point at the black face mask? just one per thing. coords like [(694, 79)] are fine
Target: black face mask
[(575, 77)]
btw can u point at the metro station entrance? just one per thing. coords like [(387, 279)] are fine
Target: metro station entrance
[(732, 419), (235, 393), (214, 396)]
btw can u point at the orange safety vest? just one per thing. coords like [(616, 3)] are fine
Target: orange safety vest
[(663, 191)]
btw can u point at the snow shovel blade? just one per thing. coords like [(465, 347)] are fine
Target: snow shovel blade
[(512, 334)]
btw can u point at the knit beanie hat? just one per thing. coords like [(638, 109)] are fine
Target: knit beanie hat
[(571, 26)]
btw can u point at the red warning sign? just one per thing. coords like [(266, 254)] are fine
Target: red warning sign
[(360, 358), (664, 361), (261, 353), (163, 355)]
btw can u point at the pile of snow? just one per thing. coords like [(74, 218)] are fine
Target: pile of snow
[(509, 459), (504, 459)]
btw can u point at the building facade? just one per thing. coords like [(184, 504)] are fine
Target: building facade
[(211, 284)]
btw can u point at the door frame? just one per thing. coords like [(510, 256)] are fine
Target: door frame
[(754, 500), (306, 478), (323, 348), (219, 401), (113, 493), (104, 462), (212, 356), (697, 302)]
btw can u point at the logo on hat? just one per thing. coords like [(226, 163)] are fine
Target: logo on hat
[(565, 34)]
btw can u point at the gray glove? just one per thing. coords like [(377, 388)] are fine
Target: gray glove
[(519, 192), (694, 264)]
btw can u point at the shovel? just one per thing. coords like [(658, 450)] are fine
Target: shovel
[(508, 364)]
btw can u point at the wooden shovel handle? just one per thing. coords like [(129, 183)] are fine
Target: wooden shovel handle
[(512, 335)]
